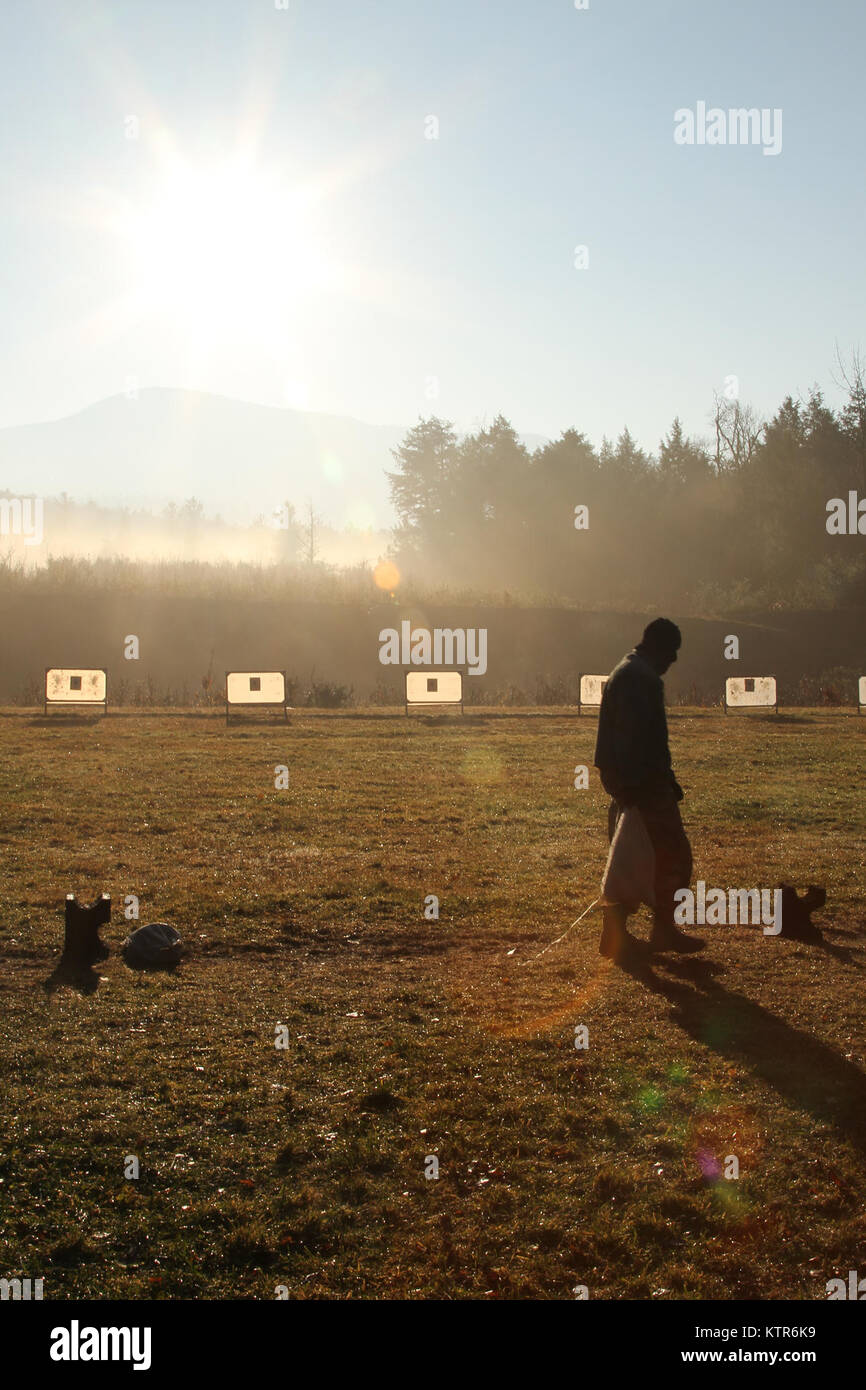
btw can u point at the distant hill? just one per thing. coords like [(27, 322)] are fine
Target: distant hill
[(238, 459)]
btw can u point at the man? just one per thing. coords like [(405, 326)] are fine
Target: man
[(634, 760)]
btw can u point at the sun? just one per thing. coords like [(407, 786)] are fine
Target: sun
[(227, 250)]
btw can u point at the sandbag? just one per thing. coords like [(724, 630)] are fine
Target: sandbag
[(629, 874), (155, 945)]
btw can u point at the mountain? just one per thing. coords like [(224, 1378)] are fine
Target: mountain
[(239, 459)]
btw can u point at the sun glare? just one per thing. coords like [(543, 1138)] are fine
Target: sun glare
[(225, 249)]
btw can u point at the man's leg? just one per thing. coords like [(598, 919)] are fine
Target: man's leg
[(615, 941), (673, 870)]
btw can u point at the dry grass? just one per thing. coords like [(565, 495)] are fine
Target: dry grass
[(305, 1167)]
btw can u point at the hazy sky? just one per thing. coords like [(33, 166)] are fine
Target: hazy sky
[(282, 230)]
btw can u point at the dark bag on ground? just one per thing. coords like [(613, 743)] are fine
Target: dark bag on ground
[(154, 945)]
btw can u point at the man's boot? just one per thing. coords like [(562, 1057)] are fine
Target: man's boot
[(615, 941), (666, 937)]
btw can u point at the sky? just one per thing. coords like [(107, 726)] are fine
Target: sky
[(373, 210)]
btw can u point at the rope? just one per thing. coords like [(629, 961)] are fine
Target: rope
[(549, 947)]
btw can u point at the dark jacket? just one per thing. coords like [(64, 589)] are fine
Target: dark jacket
[(631, 751)]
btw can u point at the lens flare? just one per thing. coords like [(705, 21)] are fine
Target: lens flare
[(386, 576)]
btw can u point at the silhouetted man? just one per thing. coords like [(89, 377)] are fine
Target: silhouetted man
[(634, 760)]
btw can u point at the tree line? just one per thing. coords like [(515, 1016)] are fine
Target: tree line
[(737, 519)]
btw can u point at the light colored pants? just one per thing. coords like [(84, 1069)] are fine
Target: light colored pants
[(661, 814)]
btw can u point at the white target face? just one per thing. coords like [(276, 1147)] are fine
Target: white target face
[(434, 688), (863, 690), (256, 688), (591, 689), (750, 692), (75, 687)]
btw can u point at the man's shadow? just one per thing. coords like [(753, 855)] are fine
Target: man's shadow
[(806, 1072)]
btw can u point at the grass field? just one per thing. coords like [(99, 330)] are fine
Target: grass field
[(305, 1166)]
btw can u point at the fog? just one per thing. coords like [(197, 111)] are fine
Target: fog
[(32, 531)]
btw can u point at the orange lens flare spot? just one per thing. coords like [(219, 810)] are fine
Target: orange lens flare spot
[(386, 575)]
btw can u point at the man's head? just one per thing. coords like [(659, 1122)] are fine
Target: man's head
[(660, 643)]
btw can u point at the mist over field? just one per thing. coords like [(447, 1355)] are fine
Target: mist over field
[(757, 527)]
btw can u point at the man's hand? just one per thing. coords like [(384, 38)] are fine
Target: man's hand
[(653, 794), (627, 796)]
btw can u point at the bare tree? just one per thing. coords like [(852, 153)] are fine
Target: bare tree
[(738, 430), (854, 413), (311, 525)]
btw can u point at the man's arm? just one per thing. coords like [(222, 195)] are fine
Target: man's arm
[(640, 746)]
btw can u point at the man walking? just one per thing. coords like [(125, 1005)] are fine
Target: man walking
[(634, 760)]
